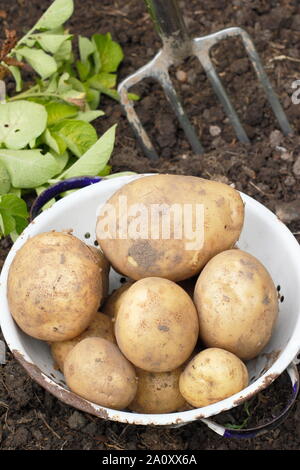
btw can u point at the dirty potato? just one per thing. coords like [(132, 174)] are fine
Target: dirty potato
[(158, 392), (101, 326), (165, 200), (211, 376), (96, 370), (237, 304), (157, 325), (54, 286)]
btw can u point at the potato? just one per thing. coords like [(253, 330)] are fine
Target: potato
[(96, 370), (237, 304), (105, 268), (147, 251), (114, 301), (211, 376), (158, 392), (54, 286), (157, 325), (101, 326)]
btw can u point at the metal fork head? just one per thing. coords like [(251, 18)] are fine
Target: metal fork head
[(177, 46)]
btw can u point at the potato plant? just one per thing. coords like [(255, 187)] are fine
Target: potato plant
[(46, 133)]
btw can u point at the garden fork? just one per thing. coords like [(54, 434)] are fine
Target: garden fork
[(177, 46)]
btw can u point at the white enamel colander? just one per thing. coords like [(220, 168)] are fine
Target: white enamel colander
[(263, 235)]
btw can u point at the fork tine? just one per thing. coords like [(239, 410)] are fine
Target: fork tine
[(202, 47), (202, 55), (166, 83), (264, 80), (128, 106)]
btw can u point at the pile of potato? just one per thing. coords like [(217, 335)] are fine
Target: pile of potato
[(175, 335)]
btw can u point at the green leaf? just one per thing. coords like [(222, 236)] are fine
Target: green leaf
[(86, 48), (64, 53), (58, 111), (28, 168), (63, 84), (50, 42), (93, 98), (15, 71), (104, 79), (13, 214), (54, 141), (61, 161), (52, 84), (20, 122), (79, 136), (106, 171), (110, 52), (41, 62), (5, 184), (95, 159), (58, 12), (89, 116), (133, 97), (21, 224), (83, 69), (77, 84)]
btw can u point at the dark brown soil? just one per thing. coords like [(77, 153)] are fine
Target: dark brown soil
[(31, 418)]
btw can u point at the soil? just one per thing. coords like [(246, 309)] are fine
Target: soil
[(268, 169)]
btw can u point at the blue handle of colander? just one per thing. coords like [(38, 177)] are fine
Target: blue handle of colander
[(272, 424), (58, 188)]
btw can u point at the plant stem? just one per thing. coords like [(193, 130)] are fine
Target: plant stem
[(35, 95)]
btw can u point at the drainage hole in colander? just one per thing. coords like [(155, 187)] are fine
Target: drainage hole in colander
[(278, 288), (87, 235), (122, 280), (282, 298), (96, 243)]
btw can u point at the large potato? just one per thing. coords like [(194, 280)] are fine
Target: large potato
[(96, 370), (158, 392), (237, 304), (101, 326), (54, 286), (157, 325), (145, 250), (211, 376)]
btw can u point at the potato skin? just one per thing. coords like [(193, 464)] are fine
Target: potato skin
[(114, 301), (158, 392), (157, 325), (54, 286), (211, 376), (169, 258), (237, 304), (105, 268), (101, 326), (96, 370)]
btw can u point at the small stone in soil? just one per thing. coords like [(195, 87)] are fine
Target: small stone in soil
[(76, 420), (296, 166), (276, 138), (289, 181), (214, 131), (288, 211), (181, 76)]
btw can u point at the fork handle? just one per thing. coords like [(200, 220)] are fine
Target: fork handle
[(170, 26)]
